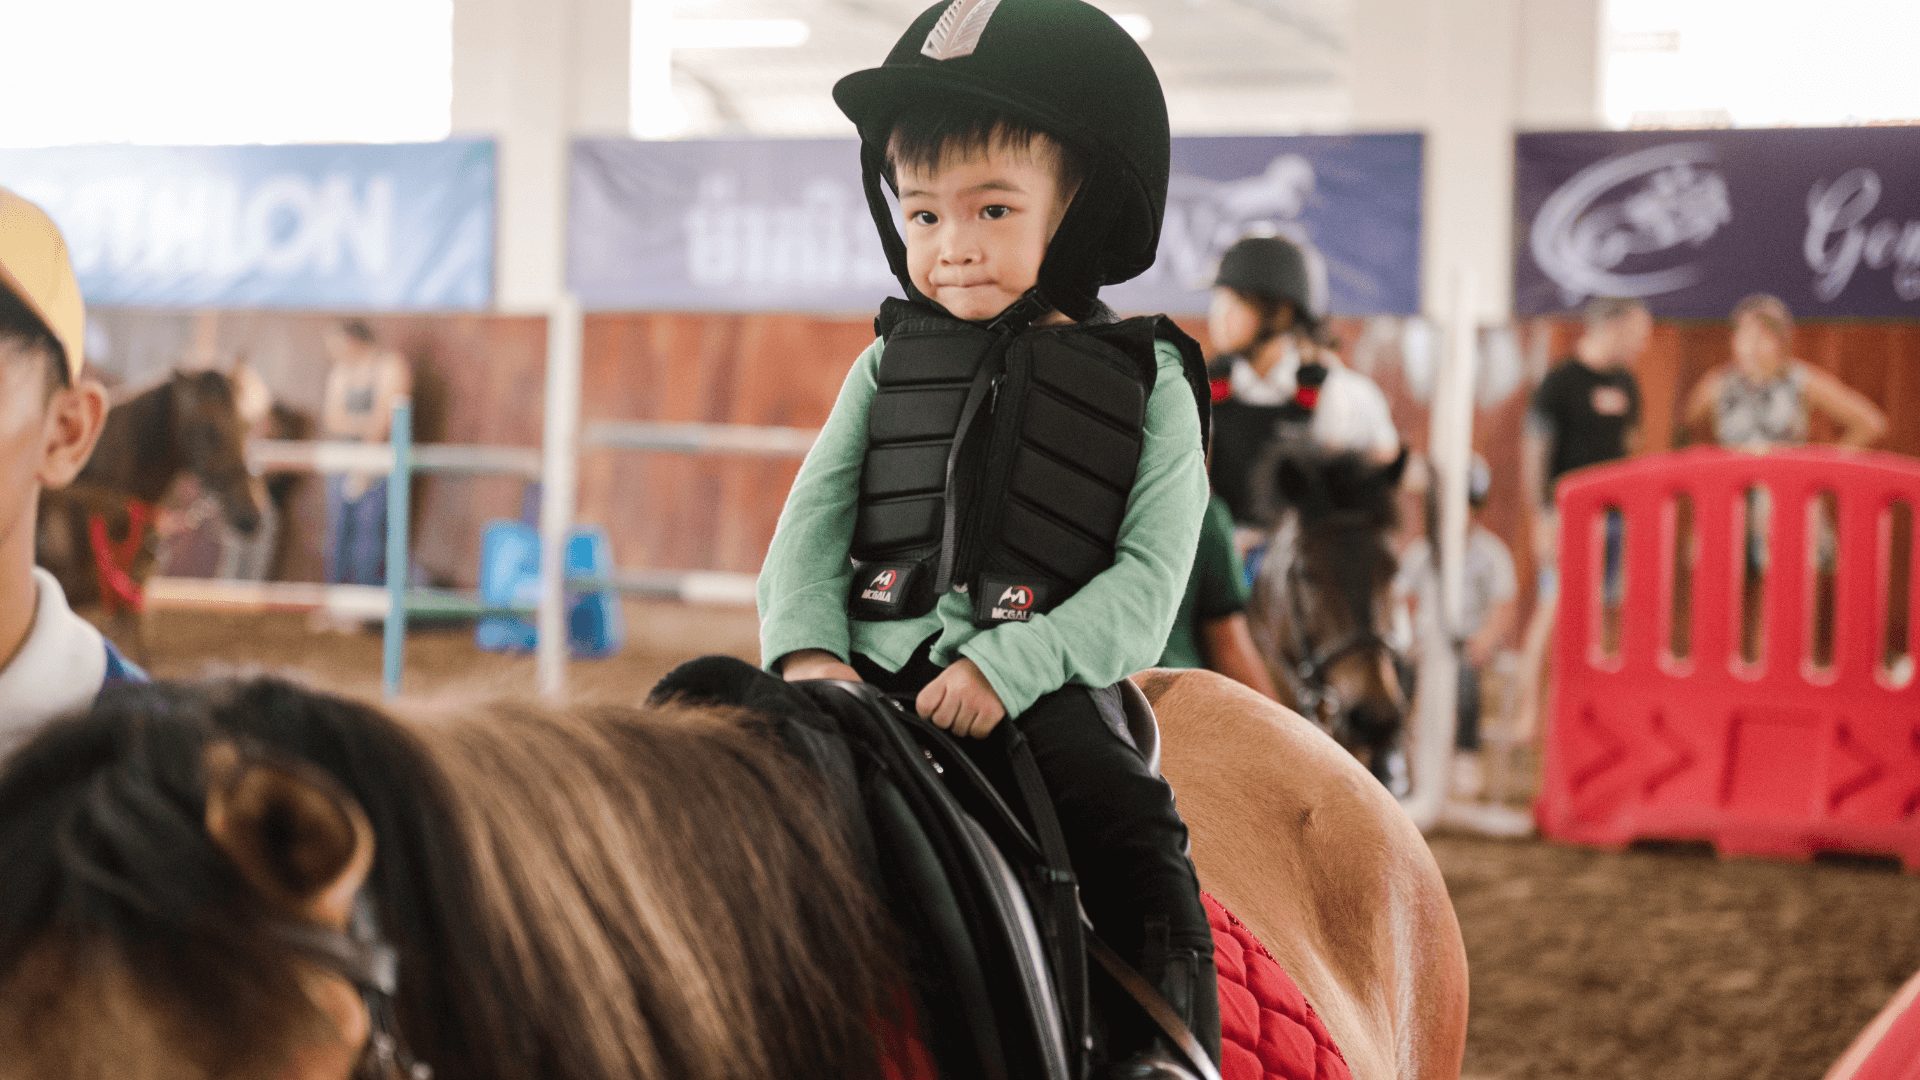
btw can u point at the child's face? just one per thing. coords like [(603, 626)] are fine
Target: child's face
[(1231, 321), (977, 225)]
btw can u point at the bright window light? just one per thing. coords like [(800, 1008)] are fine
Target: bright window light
[(740, 33), (1759, 63), (226, 71), (1137, 25)]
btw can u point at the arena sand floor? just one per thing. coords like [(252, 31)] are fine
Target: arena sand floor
[(1647, 965)]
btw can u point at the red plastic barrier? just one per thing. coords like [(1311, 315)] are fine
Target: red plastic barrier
[(1780, 757)]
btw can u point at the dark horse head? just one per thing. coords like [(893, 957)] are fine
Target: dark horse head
[(187, 424), (243, 880), (1322, 601)]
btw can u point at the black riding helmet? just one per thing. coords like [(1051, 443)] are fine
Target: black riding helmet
[(1275, 268), (1062, 67)]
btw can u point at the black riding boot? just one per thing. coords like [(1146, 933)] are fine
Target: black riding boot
[(1129, 851), (1188, 982)]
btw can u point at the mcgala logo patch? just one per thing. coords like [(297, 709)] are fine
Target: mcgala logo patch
[(1015, 604), (880, 589)]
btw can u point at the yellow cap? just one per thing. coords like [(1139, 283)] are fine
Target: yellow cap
[(34, 267)]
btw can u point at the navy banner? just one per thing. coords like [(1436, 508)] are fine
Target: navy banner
[(1691, 221), (391, 227), (756, 225)]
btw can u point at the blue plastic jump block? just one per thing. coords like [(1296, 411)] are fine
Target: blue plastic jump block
[(510, 578)]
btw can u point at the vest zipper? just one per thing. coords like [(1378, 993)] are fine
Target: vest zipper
[(995, 461)]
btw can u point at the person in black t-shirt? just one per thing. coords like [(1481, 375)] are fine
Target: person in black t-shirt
[(1585, 412), (1584, 416)]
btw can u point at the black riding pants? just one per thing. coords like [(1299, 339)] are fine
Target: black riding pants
[(1126, 839)]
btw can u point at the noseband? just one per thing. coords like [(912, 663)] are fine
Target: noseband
[(361, 955)]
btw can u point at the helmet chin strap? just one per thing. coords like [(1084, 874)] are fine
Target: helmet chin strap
[(1070, 279)]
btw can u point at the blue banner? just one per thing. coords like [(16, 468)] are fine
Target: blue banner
[(383, 227), (1828, 219), (782, 224)]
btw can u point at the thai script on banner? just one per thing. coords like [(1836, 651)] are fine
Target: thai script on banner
[(1828, 219), (755, 225), (386, 227)]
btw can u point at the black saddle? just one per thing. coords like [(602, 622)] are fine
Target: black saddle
[(976, 873)]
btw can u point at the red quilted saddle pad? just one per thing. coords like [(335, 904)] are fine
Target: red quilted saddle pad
[(1267, 1029)]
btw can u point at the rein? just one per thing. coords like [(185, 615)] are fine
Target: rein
[(119, 592)]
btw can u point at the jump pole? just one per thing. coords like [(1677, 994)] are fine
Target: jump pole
[(399, 482), (559, 477)]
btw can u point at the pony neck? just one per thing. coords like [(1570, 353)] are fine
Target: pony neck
[(139, 452)]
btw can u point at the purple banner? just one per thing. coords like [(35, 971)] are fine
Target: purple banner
[(782, 224), (1828, 219)]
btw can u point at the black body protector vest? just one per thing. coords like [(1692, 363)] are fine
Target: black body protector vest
[(1000, 459), (1246, 438)]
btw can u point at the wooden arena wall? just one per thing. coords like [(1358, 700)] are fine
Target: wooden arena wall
[(480, 380)]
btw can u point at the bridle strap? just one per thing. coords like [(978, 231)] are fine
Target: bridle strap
[(361, 955), (1304, 667)]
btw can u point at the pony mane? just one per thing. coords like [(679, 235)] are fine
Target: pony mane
[(596, 894), (667, 894)]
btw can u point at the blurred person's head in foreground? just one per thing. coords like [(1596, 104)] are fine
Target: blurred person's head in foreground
[(51, 412)]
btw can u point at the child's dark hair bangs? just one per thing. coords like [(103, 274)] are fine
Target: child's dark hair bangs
[(927, 139), (23, 332)]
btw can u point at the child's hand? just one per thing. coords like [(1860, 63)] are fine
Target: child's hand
[(962, 701), (816, 664)]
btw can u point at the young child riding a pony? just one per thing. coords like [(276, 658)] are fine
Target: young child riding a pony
[(51, 414), (1001, 511)]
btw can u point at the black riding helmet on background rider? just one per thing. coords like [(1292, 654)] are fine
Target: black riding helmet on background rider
[(1066, 70), (1279, 281)]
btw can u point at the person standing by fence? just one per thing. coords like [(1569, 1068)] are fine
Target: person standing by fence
[(1765, 397), (1585, 412), (363, 383)]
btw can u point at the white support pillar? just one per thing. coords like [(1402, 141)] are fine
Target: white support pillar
[(1469, 73), (559, 483), (533, 74)]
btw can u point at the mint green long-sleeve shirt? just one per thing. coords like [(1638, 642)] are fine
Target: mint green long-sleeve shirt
[(1115, 625)]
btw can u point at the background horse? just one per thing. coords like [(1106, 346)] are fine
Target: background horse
[(629, 893), (97, 537), (1323, 596)]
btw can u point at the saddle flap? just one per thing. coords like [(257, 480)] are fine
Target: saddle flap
[(1142, 725)]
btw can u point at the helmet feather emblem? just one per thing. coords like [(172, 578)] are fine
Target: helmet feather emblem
[(958, 32)]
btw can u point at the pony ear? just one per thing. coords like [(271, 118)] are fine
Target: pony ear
[(1298, 483), (297, 839), (1392, 473)]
